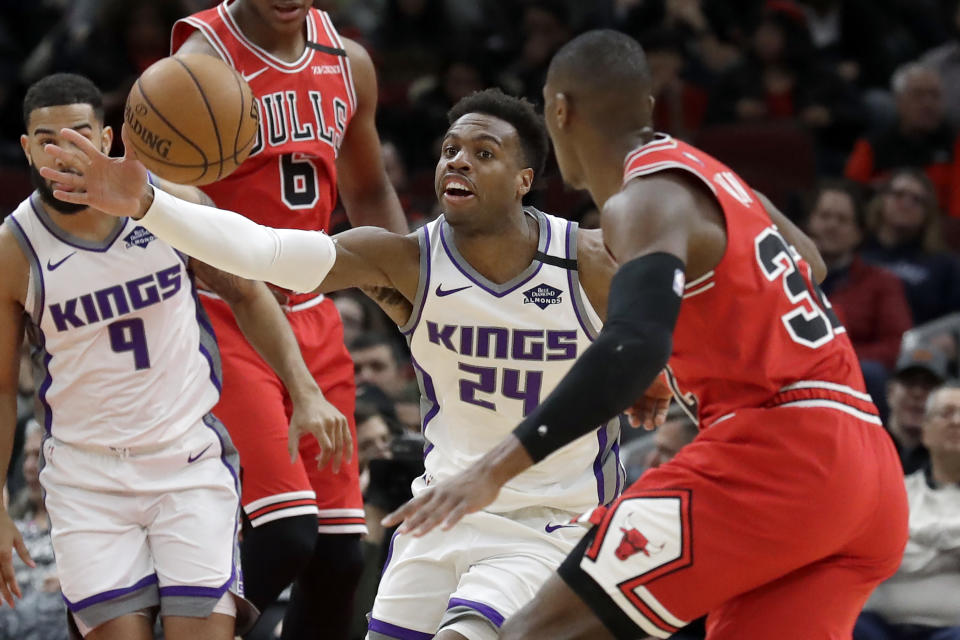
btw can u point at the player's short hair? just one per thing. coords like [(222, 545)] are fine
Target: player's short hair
[(519, 113), (62, 89), (602, 58)]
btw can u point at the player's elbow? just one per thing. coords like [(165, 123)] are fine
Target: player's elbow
[(628, 344)]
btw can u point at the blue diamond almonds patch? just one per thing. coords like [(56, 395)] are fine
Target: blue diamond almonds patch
[(139, 237), (542, 295)]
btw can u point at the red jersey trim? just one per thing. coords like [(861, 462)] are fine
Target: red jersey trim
[(263, 54), (656, 167), (211, 37)]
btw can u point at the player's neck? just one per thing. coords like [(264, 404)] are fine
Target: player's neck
[(288, 47), (500, 253), (90, 225), (602, 158)]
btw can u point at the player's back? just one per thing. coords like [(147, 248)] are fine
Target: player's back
[(755, 331), (486, 354), (122, 352), (289, 180)]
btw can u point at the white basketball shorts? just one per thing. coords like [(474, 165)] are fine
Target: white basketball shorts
[(139, 528), (472, 577)]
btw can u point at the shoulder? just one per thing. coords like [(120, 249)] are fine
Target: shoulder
[(362, 69), (196, 42)]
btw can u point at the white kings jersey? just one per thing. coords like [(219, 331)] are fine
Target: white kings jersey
[(486, 354), (123, 355)]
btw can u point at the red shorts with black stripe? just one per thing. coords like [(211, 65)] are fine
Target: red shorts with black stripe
[(256, 409), (776, 522)]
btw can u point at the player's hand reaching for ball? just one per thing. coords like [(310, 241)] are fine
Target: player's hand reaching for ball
[(10, 539), (313, 414), (650, 411), (446, 503), (87, 176)]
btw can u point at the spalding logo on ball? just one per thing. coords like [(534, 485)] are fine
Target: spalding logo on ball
[(193, 119)]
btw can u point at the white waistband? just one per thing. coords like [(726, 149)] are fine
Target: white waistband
[(119, 452)]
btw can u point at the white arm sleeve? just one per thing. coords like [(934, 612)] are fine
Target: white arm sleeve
[(289, 258)]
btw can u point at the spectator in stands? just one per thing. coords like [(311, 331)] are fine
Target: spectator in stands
[(680, 105), (654, 449), (922, 600), (376, 362), (945, 60), (869, 301), (903, 223), (918, 372), (920, 137), (545, 28), (780, 79), (41, 613), (353, 314), (373, 440)]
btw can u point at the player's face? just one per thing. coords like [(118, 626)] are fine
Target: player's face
[(44, 128), (480, 174), (555, 115), (282, 16), (941, 429)]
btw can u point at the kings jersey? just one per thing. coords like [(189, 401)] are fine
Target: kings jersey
[(290, 179), (773, 338)]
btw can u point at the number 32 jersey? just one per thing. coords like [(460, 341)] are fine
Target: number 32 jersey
[(289, 180), (756, 331), (486, 354), (123, 354)]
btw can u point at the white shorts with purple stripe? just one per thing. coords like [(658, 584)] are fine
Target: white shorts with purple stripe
[(132, 530), (471, 578)]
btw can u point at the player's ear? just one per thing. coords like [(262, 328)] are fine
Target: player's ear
[(653, 103), (106, 139), (561, 110), (524, 182), (25, 145)]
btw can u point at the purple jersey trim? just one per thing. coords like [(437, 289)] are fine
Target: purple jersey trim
[(485, 610), (423, 287), (394, 631), (73, 241), (110, 595)]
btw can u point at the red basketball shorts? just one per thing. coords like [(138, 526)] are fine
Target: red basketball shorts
[(256, 409), (778, 523)]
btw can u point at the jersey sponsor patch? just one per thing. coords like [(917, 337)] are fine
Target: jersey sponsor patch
[(543, 295), (139, 237)]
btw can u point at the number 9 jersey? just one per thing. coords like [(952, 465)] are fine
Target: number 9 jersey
[(305, 107), (124, 356), (803, 359)]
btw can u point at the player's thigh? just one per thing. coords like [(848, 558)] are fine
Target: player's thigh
[(216, 626), (416, 584), (133, 626), (817, 602)]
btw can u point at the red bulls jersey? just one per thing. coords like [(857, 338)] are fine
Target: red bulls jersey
[(756, 331), (290, 178)]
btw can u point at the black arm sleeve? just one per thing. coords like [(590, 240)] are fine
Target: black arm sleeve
[(617, 369)]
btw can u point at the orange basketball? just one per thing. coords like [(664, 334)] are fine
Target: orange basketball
[(192, 119)]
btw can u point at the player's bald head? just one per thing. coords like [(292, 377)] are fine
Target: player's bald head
[(601, 66)]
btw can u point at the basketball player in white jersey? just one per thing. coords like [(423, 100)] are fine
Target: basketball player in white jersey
[(140, 479), (496, 300)]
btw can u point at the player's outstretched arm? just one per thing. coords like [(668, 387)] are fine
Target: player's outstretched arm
[(290, 258), (265, 327), (367, 193), (13, 286)]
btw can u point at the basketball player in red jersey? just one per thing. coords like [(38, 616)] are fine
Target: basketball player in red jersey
[(787, 510), (317, 95)]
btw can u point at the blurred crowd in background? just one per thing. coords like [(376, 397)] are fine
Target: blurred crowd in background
[(844, 112)]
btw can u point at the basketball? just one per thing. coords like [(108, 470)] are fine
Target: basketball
[(192, 119)]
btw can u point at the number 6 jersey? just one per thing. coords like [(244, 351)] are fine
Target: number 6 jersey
[(803, 358), (486, 354), (123, 353)]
